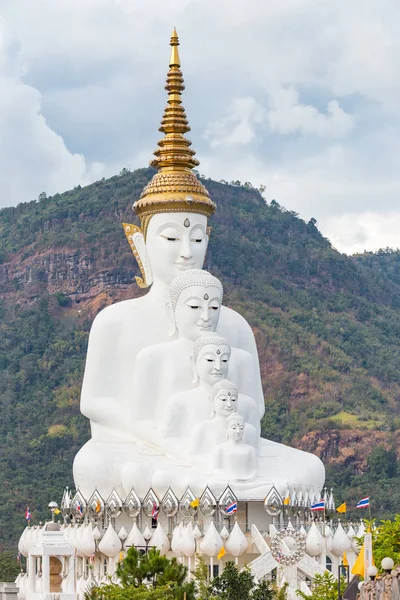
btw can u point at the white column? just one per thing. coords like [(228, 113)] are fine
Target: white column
[(31, 572), (70, 574), (45, 574)]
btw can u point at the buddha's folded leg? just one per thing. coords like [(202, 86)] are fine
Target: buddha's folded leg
[(99, 465)]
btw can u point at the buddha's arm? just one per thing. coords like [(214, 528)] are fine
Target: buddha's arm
[(171, 419), (231, 321), (102, 397)]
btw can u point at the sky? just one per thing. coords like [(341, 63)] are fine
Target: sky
[(302, 96)]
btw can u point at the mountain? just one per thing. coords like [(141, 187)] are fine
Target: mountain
[(327, 328)]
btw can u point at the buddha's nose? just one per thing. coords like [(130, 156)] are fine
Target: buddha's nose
[(185, 250), (205, 314)]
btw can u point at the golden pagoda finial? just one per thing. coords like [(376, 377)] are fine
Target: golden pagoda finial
[(174, 60), (175, 187)]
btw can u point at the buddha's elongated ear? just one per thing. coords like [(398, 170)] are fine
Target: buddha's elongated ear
[(195, 373), (137, 243), (211, 403), (208, 233), (171, 318)]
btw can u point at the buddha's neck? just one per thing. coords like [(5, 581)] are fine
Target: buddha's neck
[(205, 386), (159, 291)]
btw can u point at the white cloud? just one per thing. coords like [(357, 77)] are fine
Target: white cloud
[(353, 232), (33, 157), (287, 115), (303, 96), (238, 127)]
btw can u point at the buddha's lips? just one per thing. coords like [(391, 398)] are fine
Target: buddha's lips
[(185, 265)]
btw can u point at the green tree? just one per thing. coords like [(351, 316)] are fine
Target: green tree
[(324, 587), (9, 568), (232, 584), (146, 577), (386, 541), (265, 591)]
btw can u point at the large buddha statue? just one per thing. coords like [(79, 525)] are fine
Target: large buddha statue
[(173, 209)]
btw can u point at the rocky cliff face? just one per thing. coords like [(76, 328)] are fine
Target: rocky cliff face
[(72, 273)]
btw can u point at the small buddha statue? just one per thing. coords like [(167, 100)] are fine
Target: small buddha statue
[(225, 402), (235, 459), (210, 358)]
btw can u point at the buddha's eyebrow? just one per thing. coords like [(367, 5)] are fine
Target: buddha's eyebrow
[(170, 224)]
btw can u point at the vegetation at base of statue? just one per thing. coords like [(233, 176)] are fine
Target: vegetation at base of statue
[(9, 567), (385, 540), (327, 328), (325, 587), (155, 577), (148, 577)]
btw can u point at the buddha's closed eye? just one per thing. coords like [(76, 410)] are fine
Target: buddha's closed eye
[(170, 238)]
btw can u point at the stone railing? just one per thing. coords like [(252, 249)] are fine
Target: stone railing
[(384, 587), (8, 591)]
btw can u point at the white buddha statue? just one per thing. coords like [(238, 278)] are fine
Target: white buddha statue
[(172, 238), (233, 458), (208, 434)]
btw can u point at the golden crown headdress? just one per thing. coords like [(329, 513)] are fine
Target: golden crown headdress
[(174, 188)]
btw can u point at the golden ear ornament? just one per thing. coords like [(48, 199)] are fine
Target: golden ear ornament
[(137, 243)]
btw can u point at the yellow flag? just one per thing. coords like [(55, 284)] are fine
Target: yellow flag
[(121, 556), (286, 501), (57, 511), (195, 503), (359, 567), (221, 553), (98, 506), (345, 562), (342, 508)]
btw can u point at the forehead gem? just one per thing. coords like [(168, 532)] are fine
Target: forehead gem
[(206, 296), (186, 223), (218, 351), (229, 393)]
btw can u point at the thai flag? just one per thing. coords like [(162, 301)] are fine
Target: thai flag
[(28, 514), (363, 503), (79, 509), (154, 511), (231, 508), (318, 505)]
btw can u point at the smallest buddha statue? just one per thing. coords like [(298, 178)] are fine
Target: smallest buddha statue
[(233, 458)]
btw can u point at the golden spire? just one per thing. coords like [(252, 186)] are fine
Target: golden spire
[(175, 187)]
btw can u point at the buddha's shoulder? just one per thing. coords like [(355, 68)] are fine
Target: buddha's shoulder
[(231, 323), (122, 312), (231, 316)]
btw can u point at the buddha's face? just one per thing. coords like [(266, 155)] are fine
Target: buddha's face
[(176, 242), (235, 430), (197, 311), (212, 363), (225, 402)]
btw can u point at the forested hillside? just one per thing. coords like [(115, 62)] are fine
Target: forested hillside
[(327, 328)]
